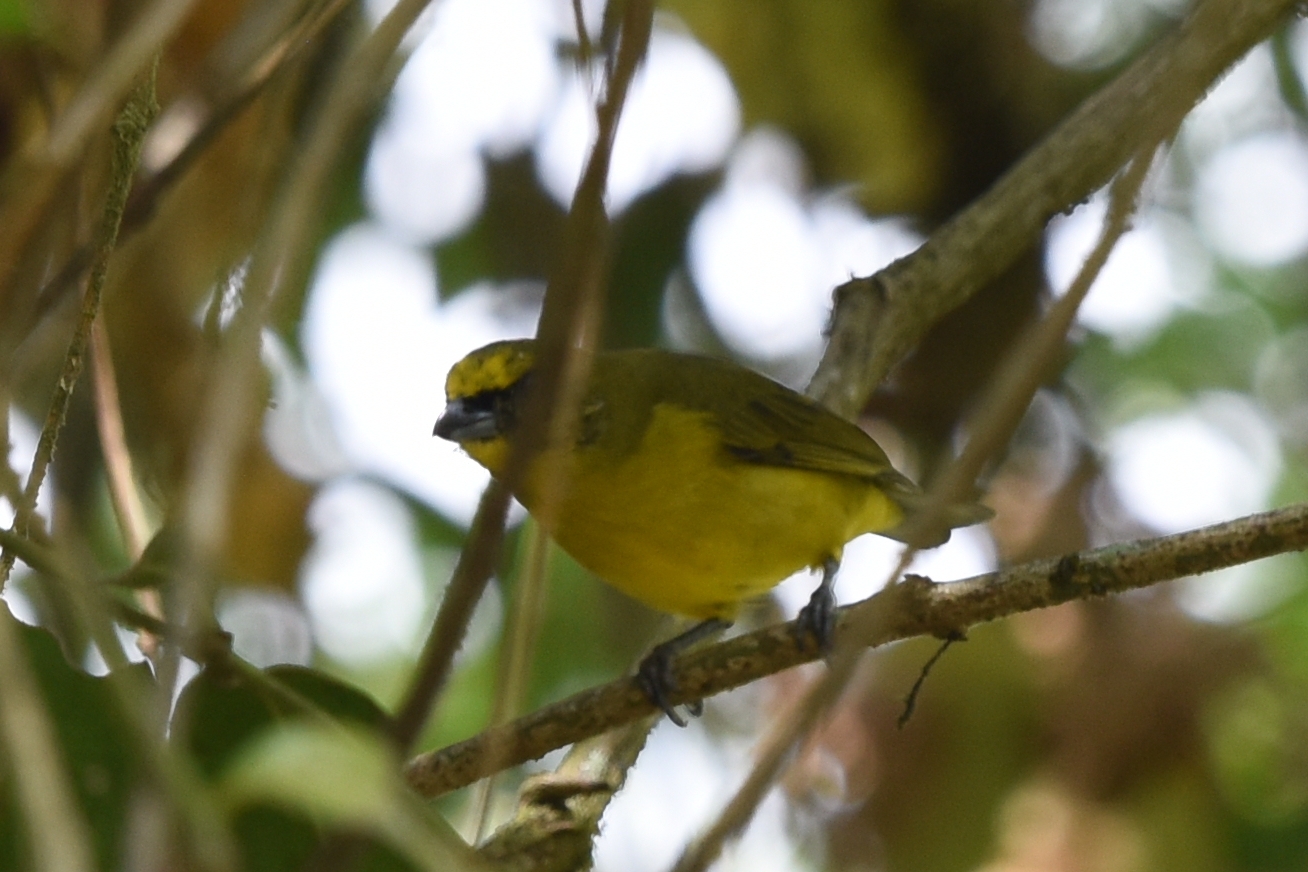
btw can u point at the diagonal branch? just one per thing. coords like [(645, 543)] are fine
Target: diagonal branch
[(887, 314), (878, 320), (915, 607)]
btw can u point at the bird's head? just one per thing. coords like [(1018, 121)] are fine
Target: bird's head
[(483, 395)]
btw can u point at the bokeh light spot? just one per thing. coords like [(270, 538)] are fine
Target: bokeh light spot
[(1251, 200), (379, 344), (765, 262), (1086, 34), (1137, 291), (362, 579), (1215, 460), (681, 117)]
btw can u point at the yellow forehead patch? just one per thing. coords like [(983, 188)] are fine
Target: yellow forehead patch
[(492, 367)]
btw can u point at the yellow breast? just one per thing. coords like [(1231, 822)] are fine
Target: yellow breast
[(685, 528)]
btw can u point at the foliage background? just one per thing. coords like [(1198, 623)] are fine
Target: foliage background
[(1157, 731)]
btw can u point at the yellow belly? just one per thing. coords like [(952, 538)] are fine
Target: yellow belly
[(684, 528)]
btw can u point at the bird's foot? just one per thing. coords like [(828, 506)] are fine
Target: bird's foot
[(817, 620), (655, 675)]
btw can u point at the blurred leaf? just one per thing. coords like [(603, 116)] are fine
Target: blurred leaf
[(274, 840), (97, 748), (1194, 351), (514, 237), (281, 802), (839, 77), (341, 776), (13, 17), (221, 713), (345, 778), (650, 244)]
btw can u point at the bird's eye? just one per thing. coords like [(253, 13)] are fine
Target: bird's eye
[(482, 402)]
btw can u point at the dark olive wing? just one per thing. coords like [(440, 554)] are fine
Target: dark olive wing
[(758, 420), (778, 427)]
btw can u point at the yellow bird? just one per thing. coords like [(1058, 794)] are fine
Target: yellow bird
[(694, 484)]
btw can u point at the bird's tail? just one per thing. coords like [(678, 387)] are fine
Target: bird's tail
[(917, 529)]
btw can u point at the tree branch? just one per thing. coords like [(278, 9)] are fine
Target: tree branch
[(879, 319), (558, 814), (915, 607), (569, 318), (129, 134), (887, 314)]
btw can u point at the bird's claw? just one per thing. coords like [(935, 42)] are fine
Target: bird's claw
[(654, 675), (817, 620)]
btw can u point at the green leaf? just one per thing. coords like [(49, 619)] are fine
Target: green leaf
[(219, 713), (223, 717), (345, 778), (338, 775), (97, 747), (13, 17)]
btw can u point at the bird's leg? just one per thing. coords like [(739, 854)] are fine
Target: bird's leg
[(818, 618), (654, 675)]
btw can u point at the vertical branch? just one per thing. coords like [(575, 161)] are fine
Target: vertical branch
[(129, 134), (284, 246), (568, 321), (59, 835), (123, 494)]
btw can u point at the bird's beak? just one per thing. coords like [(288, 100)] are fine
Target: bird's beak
[(463, 424)]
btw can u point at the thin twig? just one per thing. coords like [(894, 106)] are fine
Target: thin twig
[(569, 320), (585, 51), (910, 701), (902, 611), (129, 509), (521, 633), (129, 130), (123, 493), (230, 406), (36, 555)]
